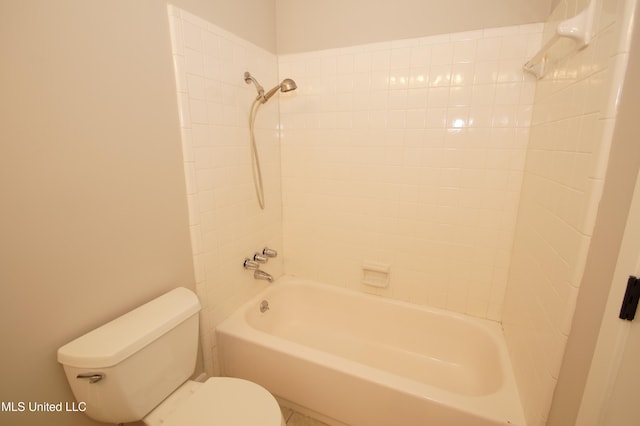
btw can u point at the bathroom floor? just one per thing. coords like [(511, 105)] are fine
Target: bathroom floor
[(293, 418)]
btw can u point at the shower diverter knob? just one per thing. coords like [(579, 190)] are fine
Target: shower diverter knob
[(260, 258), (269, 252), (250, 264)]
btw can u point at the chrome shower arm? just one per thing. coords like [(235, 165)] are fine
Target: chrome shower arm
[(248, 78)]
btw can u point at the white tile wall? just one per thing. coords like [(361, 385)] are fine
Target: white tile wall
[(573, 117), (409, 153), (226, 223)]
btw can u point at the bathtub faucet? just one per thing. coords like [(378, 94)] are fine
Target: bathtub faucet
[(262, 275), (258, 274)]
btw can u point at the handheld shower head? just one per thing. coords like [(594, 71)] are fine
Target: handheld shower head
[(286, 86)]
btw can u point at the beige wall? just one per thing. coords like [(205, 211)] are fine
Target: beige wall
[(305, 25), (93, 216), (252, 20)]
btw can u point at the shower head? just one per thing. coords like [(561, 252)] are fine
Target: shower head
[(286, 86)]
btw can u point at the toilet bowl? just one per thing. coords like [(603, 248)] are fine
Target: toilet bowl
[(137, 367)]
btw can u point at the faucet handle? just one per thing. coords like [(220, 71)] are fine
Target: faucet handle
[(269, 252), (250, 264), (260, 258)]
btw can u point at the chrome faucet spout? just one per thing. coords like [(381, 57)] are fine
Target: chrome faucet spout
[(259, 274)]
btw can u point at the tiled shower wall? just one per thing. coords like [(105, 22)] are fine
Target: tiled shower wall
[(412, 154), (226, 223), (572, 125), (409, 154)]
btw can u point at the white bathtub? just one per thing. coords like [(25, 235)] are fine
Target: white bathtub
[(369, 361)]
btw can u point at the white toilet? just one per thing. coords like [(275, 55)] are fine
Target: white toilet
[(137, 367)]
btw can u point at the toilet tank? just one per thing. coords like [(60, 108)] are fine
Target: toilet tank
[(126, 367)]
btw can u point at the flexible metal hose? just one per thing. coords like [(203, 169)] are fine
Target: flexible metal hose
[(255, 159)]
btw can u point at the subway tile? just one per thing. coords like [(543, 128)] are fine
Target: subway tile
[(198, 111), (436, 118), (399, 79), (438, 97), (460, 96), (481, 117), (440, 75), (488, 49), (211, 44), (345, 63), (464, 51), (192, 35), (510, 70), (418, 77), (417, 98), (362, 62), (486, 72), (379, 81), (507, 93), (193, 62), (415, 118), (514, 46), (400, 58), (420, 55), (462, 74), (441, 54), (457, 116)]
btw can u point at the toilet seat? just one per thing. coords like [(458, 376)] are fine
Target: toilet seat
[(219, 401)]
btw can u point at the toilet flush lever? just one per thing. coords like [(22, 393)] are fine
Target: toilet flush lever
[(93, 377)]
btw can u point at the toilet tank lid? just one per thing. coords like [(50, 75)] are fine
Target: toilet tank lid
[(115, 341)]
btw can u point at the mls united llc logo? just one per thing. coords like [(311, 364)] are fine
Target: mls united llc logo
[(32, 407)]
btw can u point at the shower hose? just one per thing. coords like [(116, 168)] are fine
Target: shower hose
[(255, 159)]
